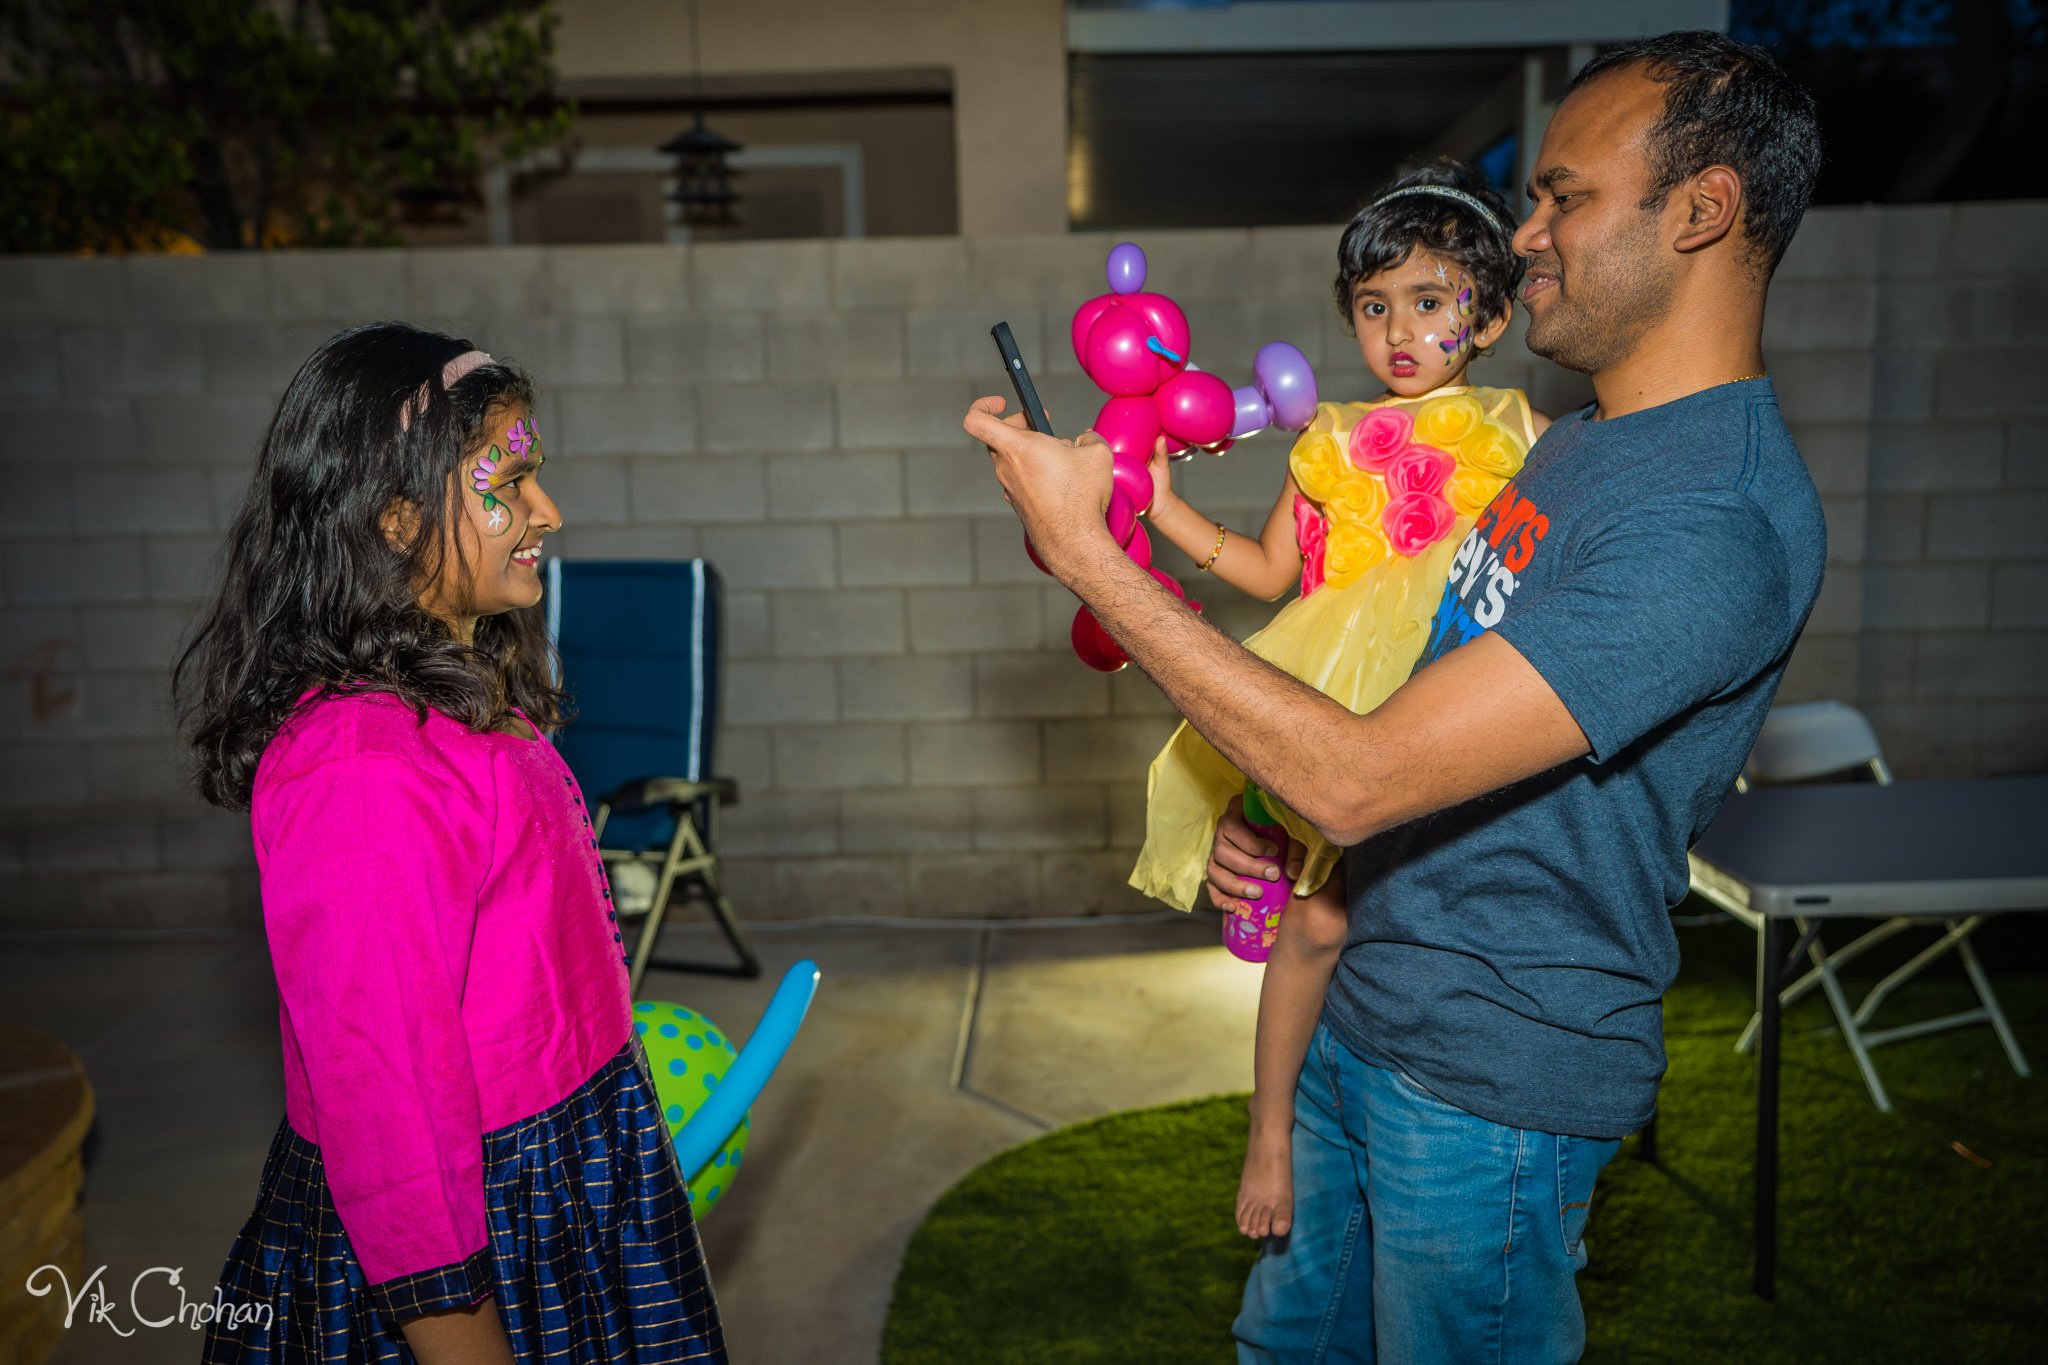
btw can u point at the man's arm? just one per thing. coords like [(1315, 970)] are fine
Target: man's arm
[(1476, 720)]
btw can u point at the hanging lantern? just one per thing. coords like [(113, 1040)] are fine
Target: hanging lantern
[(703, 174)]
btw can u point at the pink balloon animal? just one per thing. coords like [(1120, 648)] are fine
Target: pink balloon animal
[(1134, 345)]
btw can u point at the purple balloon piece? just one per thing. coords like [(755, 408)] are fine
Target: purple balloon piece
[(1126, 268), (1252, 412), (1289, 384)]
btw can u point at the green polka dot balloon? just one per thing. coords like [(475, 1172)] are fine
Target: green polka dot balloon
[(689, 1056)]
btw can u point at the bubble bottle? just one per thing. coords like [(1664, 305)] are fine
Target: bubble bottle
[(1251, 926)]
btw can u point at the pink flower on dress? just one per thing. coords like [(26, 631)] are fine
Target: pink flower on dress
[(1379, 436), (1416, 521), (1311, 533), (1419, 469)]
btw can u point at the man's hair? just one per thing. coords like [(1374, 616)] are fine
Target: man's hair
[(1727, 104)]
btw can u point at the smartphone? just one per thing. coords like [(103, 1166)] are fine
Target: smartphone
[(1027, 392)]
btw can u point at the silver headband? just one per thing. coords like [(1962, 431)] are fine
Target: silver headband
[(1447, 192)]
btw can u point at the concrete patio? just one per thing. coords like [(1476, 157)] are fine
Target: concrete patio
[(929, 1049)]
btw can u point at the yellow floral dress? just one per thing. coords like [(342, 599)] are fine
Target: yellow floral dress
[(1388, 490)]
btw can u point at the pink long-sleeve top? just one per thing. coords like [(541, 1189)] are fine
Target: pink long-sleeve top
[(446, 959)]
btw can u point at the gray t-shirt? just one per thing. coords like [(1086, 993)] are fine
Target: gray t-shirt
[(1511, 954)]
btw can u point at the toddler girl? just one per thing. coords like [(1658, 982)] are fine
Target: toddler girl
[(1376, 499), (472, 1164)]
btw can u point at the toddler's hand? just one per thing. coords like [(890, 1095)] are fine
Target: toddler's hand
[(1160, 467)]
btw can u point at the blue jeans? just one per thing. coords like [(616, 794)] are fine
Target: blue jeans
[(1423, 1235)]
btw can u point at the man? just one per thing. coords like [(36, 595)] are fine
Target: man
[(1518, 814)]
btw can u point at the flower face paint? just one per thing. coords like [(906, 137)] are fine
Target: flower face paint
[(496, 468)]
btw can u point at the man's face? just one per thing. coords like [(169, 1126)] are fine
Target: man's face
[(1600, 276)]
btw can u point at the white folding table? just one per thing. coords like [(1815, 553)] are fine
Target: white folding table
[(1924, 850)]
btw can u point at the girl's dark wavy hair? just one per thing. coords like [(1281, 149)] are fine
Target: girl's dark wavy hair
[(313, 596), (1382, 235)]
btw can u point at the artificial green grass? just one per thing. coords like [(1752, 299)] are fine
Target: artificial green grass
[(1113, 1240)]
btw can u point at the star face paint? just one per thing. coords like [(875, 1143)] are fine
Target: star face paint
[(496, 467)]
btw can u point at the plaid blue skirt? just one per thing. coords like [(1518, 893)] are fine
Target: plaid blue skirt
[(593, 1255)]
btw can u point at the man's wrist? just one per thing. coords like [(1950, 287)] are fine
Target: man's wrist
[(1082, 556)]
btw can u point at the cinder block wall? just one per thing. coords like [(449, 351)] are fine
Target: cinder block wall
[(910, 729)]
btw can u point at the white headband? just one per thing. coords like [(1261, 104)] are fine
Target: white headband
[(453, 371), (1447, 192)]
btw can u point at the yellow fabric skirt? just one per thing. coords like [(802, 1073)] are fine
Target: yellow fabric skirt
[(1356, 637), (1356, 644)]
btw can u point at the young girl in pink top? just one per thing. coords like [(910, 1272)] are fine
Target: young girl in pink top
[(473, 1165)]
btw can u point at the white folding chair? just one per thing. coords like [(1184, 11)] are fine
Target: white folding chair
[(1814, 740)]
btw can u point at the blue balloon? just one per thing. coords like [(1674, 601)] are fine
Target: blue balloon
[(727, 1105)]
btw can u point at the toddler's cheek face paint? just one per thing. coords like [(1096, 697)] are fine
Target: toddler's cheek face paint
[(1459, 340)]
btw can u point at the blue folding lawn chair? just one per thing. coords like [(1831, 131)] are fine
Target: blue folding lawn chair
[(641, 656)]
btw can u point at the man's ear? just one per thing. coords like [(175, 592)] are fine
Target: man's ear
[(1486, 336), (400, 523), (1713, 207)]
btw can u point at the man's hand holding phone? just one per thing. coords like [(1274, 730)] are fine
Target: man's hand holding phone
[(1059, 489)]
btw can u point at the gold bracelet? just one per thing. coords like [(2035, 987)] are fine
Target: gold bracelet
[(1221, 532)]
